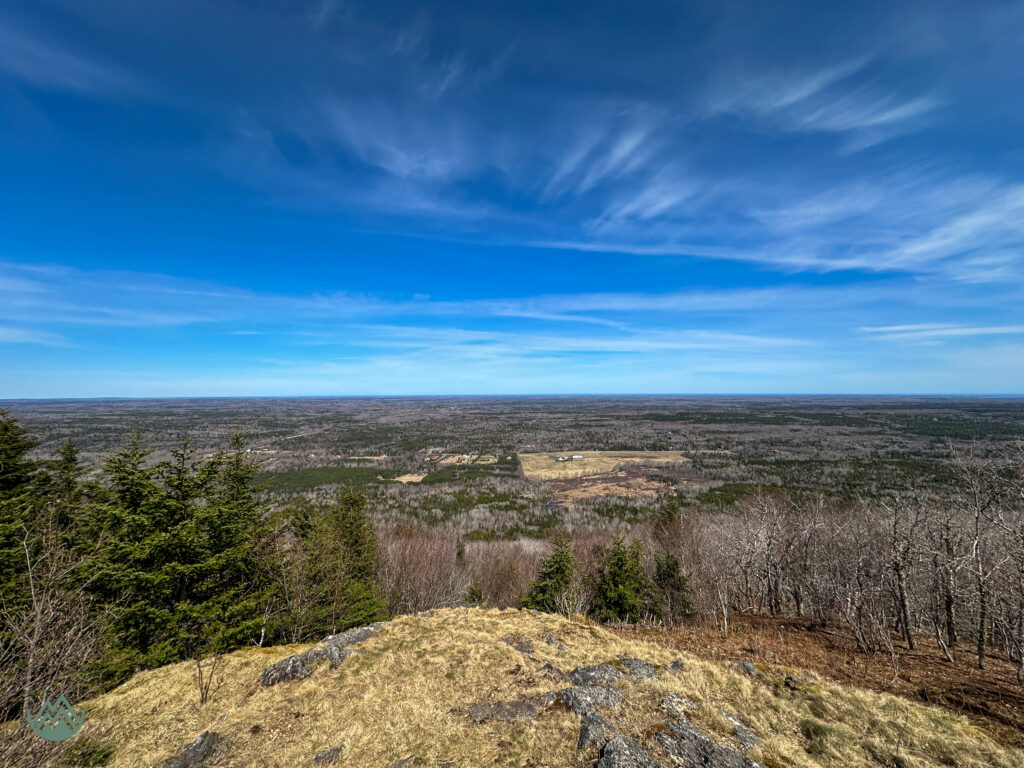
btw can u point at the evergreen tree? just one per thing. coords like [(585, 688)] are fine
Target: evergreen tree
[(180, 560), (18, 503), (554, 578), (622, 589), (341, 551)]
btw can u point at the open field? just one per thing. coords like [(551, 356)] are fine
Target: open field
[(547, 466)]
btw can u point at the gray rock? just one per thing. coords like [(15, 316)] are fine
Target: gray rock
[(676, 667), (405, 762), (687, 744), (329, 653), (594, 730), (194, 755), (598, 674), (749, 669), (747, 738), (553, 671), (623, 752), (292, 668), (678, 706), (550, 639), (332, 650), (638, 668), (353, 636), (511, 710), (328, 756), (520, 643), (581, 700)]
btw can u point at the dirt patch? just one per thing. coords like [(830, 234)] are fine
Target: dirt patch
[(631, 482), (409, 478)]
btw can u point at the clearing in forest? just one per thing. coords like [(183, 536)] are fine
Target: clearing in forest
[(550, 466)]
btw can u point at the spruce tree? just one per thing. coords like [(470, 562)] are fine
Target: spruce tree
[(341, 548), (622, 589), (18, 503), (180, 560), (554, 578)]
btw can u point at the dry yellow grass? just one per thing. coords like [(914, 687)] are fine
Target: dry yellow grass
[(406, 694), (409, 478), (546, 466)]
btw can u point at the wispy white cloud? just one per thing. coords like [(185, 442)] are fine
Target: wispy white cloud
[(48, 63), (11, 335), (940, 331), (827, 99)]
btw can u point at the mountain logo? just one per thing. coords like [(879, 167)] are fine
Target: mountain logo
[(56, 722)]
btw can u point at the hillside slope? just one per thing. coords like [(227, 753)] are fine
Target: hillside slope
[(472, 687)]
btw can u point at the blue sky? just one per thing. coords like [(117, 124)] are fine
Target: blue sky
[(341, 198)]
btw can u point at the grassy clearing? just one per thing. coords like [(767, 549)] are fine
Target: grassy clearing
[(409, 478), (406, 694), (546, 466)]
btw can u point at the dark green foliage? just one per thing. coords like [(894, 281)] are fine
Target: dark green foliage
[(17, 505), (180, 559), (332, 578), (730, 493), (16, 469), (554, 579), (621, 587), (674, 587)]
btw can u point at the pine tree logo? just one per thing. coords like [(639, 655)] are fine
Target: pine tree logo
[(56, 722)]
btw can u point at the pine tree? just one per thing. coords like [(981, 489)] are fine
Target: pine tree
[(622, 589), (554, 578)]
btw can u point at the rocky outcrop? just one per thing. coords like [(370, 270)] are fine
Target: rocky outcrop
[(686, 743), (194, 754), (328, 756), (749, 669), (638, 668), (550, 639), (747, 737), (623, 752), (511, 710), (334, 649), (678, 706), (597, 674), (520, 643)]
